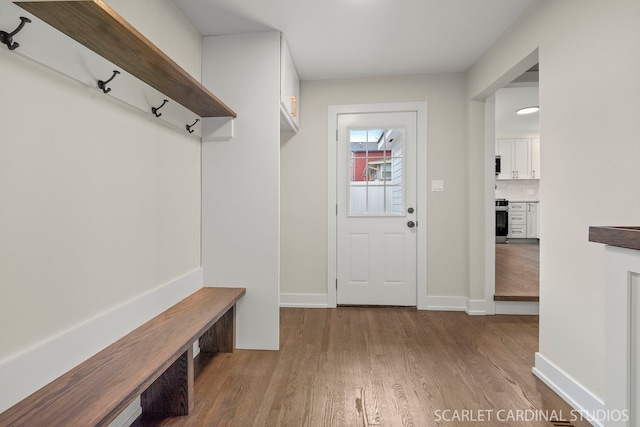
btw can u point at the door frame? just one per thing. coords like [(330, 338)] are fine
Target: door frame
[(420, 107), (487, 96)]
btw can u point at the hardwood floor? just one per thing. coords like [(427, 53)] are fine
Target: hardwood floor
[(379, 367), (517, 271)]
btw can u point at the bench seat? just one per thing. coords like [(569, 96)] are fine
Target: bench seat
[(154, 361)]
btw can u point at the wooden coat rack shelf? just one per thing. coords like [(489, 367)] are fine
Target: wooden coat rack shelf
[(99, 28)]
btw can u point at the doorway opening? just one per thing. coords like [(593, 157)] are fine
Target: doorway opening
[(517, 193)]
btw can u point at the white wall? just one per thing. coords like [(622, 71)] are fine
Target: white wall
[(100, 205), (304, 181), (167, 27), (589, 54), (241, 180)]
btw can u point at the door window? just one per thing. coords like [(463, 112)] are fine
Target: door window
[(376, 172)]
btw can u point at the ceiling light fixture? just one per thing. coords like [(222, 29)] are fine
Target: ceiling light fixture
[(528, 110)]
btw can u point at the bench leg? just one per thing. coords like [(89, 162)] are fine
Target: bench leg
[(220, 338), (172, 393)]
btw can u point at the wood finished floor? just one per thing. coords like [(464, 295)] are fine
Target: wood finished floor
[(378, 367), (517, 271)]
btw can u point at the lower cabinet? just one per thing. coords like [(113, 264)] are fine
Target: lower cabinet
[(523, 220), (533, 221), (517, 220)]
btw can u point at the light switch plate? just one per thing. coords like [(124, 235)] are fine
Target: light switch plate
[(437, 185)]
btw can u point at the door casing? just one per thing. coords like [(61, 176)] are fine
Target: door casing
[(420, 107)]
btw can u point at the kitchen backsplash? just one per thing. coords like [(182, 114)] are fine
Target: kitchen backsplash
[(524, 190)]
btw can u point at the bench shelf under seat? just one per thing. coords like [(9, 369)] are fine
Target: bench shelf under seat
[(155, 361)]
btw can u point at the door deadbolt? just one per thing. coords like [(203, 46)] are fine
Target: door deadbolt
[(410, 210)]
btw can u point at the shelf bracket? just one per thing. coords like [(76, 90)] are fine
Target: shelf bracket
[(7, 38)]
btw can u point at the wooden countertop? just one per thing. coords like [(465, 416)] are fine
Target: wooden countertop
[(623, 237)]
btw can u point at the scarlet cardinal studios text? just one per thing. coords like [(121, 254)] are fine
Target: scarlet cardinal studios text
[(524, 415)]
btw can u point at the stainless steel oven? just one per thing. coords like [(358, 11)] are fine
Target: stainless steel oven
[(502, 220)]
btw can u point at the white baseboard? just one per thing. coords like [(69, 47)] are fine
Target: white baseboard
[(434, 303), (569, 389), (440, 303), (443, 303), (472, 307), (476, 307), (134, 410), (517, 307), (27, 371), (128, 415), (304, 300)]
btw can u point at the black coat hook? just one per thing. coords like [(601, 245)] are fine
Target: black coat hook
[(103, 84), (190, 126), (7, 38), (154, 110)]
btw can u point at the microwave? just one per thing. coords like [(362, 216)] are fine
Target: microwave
[(497, 165)]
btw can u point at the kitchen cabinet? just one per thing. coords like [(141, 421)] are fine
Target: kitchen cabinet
[(535, 158), (523, 220), (517, 220), (504, 148), (517, 158), (289, 89), (533, 221), (522, 158)]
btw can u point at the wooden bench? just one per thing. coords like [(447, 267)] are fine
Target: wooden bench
[(155, 361)]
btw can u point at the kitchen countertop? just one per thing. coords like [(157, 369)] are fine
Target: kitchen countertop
[(623, 237)]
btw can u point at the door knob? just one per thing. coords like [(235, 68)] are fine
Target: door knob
[(411, 224)]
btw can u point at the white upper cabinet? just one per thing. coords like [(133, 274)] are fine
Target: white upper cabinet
[(520, 158), (504, 149), (535, 158), (289, 89)]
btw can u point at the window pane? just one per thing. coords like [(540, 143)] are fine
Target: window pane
[(358, 187), (375, 184)]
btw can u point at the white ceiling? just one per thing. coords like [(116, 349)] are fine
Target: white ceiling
[(366, 38), (511, 99)]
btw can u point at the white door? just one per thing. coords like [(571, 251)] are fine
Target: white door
[(377, 217)]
